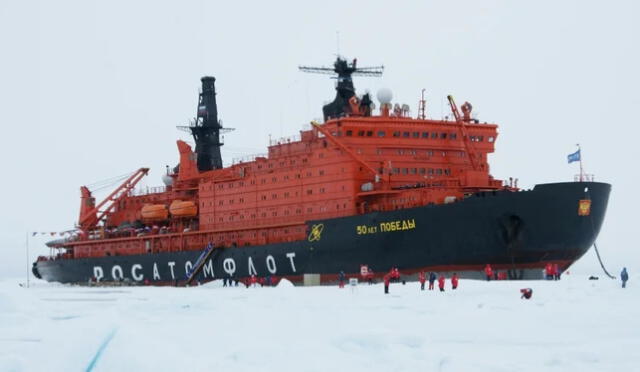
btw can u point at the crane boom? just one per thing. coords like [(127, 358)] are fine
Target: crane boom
[(90, 218)]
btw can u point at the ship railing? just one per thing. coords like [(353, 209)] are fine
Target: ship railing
[(584, 178), (283, 140), (148, 190), (247, 159)]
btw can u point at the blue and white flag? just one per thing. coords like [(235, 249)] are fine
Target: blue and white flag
[(573, 157)]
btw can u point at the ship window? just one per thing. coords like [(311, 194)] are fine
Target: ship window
[(396, 134), (434, 135), (414, 170), (443, 135), (472, 138), (381, 133), (263, 181), (309, 210), (241, 200), (298, 211), (360, 133), (380, 170), (322, 189), (416, 134), (422, 171), (369, 133), (439, 172), (425, 134), (453, 136), (490, 139), (231, 201), (309, 192), (405, 170), (263, 197), (480, 138), (274, 179), (221, 202), (430, 171), (430, 153), (405, 134), (274, 196), (379, 152), (447, 172), (396, 170)]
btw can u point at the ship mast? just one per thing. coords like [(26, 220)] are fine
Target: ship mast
[(344, 87)]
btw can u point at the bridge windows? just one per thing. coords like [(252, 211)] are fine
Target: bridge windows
[(434, 135), (453, 136), (360, 133), (405, 134), (416, 134), (425, 134), (369, 133), (396, 134), (443, 135), (381, 133)]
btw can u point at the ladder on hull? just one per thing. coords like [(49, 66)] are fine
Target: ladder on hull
[(199, 265)]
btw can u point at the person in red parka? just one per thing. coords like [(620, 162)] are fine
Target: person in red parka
[(422, 278), (441, 283), (454, 281), (548, 271), (253, 281), (387, 279), (556, 271), (488, 272)]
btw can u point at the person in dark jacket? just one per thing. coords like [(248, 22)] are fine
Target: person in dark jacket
[(387, 279), (341, 278), (432, 279), (441, 283), (422, 279), (624, 276)]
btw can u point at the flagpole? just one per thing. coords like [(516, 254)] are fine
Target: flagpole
[(27, 245), (581, 169)]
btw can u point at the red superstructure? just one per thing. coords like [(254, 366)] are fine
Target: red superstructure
[(353, 164)]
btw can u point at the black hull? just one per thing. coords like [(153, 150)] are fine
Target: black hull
[(515, 231)]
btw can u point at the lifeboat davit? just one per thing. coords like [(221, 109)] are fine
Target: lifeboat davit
[(154, 212), (182, 208)]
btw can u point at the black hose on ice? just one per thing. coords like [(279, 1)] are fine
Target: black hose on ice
[(601, 264), (594, 242)]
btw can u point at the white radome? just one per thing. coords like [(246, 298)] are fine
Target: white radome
[(384, 95), (167, 180)]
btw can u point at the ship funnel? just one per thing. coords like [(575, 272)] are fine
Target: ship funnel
[(206, 129)]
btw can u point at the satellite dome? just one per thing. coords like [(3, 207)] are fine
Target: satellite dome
[(384, 95), (167, 180)]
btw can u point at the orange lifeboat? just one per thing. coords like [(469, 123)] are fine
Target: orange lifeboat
[(181, 208), (154, 212)]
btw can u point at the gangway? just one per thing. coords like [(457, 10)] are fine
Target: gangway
[(197, 267)]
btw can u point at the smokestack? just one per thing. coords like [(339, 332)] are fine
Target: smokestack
[(206, 131)]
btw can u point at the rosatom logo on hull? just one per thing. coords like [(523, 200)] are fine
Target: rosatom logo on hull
[(316, 232)]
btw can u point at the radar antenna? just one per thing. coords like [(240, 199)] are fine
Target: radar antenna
[(344, 87)]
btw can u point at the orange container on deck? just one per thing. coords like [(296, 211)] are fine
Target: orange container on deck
[(154, 212), (180, 208)]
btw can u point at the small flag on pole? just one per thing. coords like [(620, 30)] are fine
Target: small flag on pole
[(573, 157)]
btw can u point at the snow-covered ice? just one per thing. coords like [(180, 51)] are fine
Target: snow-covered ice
[(571, 325)]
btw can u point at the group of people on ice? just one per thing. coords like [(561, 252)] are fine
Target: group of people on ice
[(422, 278)]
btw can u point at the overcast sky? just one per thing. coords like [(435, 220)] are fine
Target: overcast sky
[(91, 90)]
